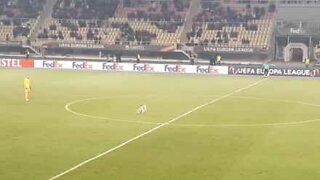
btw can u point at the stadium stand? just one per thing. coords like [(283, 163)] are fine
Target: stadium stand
[(138, 25), (139, 22), (81, 9), (79, 22), (18, 18), (228, 25)]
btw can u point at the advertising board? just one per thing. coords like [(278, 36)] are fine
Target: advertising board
[(274, 71), (17, 63)]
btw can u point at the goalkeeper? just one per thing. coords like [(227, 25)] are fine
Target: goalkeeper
[(27, 87)]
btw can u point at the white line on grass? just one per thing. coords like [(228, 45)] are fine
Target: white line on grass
[(155, 129), (277, 100), (67, 107), (248, 125)]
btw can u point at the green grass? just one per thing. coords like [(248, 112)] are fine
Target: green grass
[(40, 139)]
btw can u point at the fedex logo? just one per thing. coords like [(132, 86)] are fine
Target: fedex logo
[(207, 70), (174, 68), (143, 67), (51, 64), (9, 63), (113, 66), (81, 65)]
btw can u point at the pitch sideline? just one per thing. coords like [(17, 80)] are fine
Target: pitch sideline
[(155, 129)]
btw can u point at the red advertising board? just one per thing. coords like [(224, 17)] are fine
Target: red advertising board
[(27, 63), (24, 63)]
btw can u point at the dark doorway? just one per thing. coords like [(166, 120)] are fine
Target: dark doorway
[(296, 54)]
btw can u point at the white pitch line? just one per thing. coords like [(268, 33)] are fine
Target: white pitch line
[(277, 100), (248, 125), (67, 107), (154, 129)]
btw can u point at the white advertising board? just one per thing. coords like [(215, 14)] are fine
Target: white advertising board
[(131, 67)]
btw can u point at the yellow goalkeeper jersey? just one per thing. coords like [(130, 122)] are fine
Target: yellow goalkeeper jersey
[(27, 83)]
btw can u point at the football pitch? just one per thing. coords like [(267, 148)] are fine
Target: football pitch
[(84, 125)]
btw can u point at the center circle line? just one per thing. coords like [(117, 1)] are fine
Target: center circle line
[(67, 108)]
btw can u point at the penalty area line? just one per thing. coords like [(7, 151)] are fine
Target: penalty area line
[(155, 129)]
